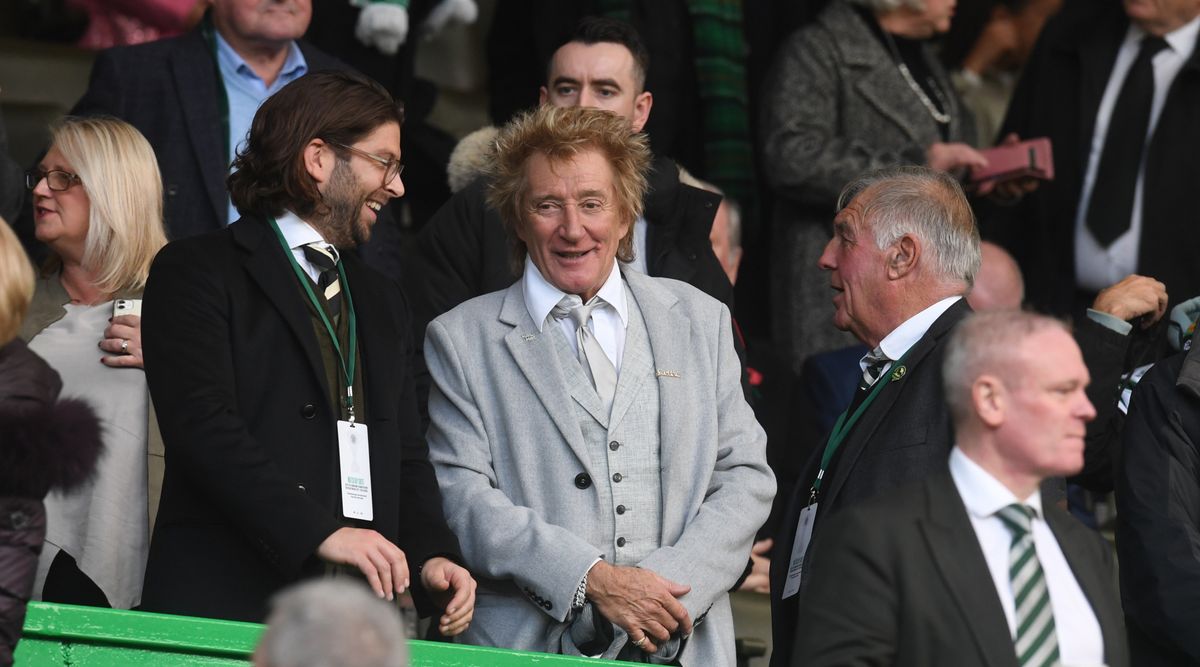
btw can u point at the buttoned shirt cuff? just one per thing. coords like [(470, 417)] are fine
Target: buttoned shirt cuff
[(1111, 322)]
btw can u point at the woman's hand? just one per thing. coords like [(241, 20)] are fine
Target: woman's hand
[(123, 342)]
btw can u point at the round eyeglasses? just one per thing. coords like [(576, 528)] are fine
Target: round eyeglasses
[(391, 167), (56, 180)]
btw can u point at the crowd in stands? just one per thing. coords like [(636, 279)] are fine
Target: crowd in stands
[(274, 348)]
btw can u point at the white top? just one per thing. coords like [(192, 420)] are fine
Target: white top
[(902, 338), (1080, 641), (1097, 267), (298, 234), (104, 523), (607, 324)]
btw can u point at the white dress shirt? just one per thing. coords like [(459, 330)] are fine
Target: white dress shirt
[(1080, 641), (607, 324), (298, 234), (1097, 267), (902, 338)]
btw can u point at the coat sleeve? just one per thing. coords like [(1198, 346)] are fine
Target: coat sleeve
[(191, 373), (500, 540), (712, 552), (808, 151), (1158, 512), (849, 616)]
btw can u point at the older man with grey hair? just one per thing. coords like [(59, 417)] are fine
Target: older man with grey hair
[(904, 578), (905, 250), (332, 623)]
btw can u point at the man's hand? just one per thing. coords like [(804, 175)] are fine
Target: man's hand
[(1012, 190), (759, 580), (453, 589), (123, 341), (640, 602), (382, 562), (1133, 297)]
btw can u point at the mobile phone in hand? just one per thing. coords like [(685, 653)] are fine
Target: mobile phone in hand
[(127, 307)]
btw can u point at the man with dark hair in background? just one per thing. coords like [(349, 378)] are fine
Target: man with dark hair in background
[(281, 368)]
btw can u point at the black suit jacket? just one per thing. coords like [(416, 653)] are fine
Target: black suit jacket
[(251, 483), (901, 580), (168, 90), (904, 436), (1057, 97)]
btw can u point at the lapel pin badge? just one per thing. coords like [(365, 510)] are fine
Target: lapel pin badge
[(898, 373), (666, 374), (527, 337)]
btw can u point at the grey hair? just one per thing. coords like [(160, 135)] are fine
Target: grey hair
[(884, 6), (926, 203), (332, 623), (986, 343)]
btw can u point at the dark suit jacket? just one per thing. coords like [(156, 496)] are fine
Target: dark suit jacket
[(904, 436), (901, 580), (251, 484), (168, 90), (1058, 97)]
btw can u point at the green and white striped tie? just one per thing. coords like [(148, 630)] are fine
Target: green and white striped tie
[(1036, 642)]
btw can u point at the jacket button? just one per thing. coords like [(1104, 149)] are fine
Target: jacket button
[(620, 509), (617, 477), (582, 480), (620, 541), (308, 411), (614, 445), (301, 487)]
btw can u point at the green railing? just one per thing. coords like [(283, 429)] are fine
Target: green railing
[(57, 634)]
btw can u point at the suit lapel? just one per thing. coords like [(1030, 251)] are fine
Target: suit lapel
[(373, 336), (863, 432), (636, 365), (533, 353), (958, 558), (1095, 582), (196, 81), (670, 335), (1097, 52), (268, 266)]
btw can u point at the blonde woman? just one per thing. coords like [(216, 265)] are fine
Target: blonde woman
[(97, 204)]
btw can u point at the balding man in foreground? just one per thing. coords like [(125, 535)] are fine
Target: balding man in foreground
[(903, 579)]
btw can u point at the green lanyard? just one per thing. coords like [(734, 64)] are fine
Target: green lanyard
[(842, 428), (347, 361)]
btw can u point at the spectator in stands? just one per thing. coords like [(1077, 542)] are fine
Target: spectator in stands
[(462, 252), (194, 96), (608, 478), (97, 203), (904, 253), (44, 443), (271, 351), (856, 90), (974, 565), (331, 623), (1126, 152)]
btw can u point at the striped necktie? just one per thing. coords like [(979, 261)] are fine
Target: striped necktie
[(875, 361), (325, 258), (1036, 642)]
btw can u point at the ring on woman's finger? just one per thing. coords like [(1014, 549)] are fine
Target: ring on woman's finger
[(124, 346), (640, 642)]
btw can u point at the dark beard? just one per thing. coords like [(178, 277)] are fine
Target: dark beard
[(340, 225)]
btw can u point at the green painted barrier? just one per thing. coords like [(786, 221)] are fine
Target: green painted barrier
[(59, 634)]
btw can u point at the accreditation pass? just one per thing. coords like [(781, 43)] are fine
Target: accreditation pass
[(804, 528), (355, 456)]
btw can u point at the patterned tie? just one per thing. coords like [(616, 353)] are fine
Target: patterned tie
[(325, 258), (1036, 642), (875, 361), (591, 355), (1124, 144)]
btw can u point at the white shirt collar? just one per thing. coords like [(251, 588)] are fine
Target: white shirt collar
[(982, 493), (1182, 40), (297, 232), (541, 297), (902, 338)]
